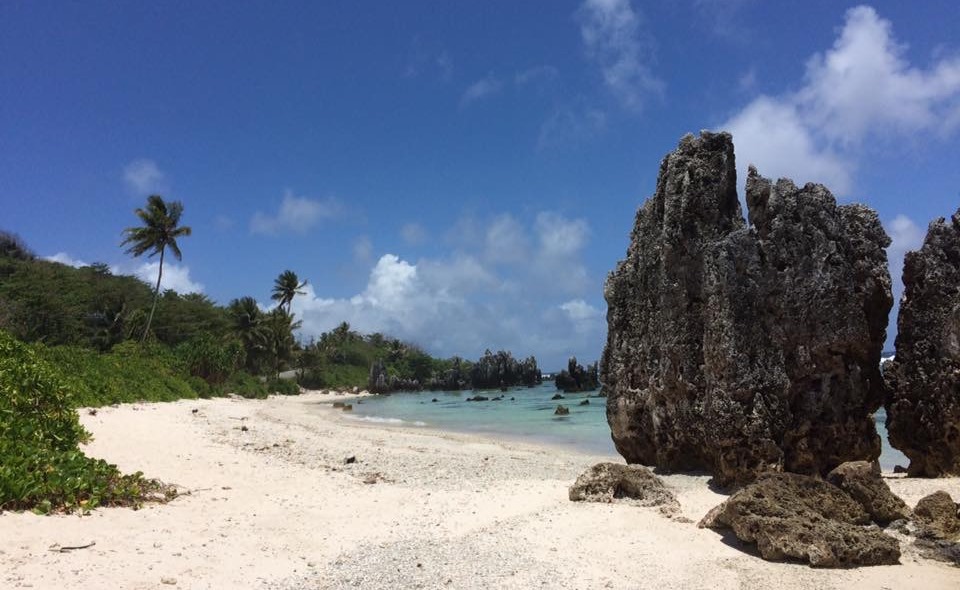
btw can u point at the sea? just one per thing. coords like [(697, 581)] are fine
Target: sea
[(526, 415)]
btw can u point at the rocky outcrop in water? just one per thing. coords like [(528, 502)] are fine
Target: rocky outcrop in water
[(801, 517), (576, 378), (745, 349), (923, 404)]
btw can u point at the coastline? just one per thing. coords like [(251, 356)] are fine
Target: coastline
[(277, 506)]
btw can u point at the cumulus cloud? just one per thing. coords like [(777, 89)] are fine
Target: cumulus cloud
[(614, 39), (479, 296), (175, 277), (143, 176), (861, 89), (483, 88), (296, 215)]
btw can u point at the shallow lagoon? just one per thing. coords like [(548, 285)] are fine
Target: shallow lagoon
[(528, 416)]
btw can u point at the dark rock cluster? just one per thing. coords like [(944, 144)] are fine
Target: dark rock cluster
[(791, 516), (576, 378), (923, 404), (745, 349)]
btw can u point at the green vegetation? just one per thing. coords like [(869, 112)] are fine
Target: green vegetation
[(42, 467)]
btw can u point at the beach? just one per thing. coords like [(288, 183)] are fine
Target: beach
[(288, 492)]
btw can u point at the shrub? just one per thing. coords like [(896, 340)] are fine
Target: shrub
[(283, 386), (41, 465), (128, 373), (246, 385)]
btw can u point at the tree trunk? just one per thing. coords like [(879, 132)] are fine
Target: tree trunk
[(156, 296)]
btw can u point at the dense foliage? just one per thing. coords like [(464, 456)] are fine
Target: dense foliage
[(41, 465)]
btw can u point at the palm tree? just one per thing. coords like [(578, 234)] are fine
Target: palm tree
[(280, 327), (285, 287), (249, 324), (160, 230)]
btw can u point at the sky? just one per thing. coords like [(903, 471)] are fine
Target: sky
[(460, 175)]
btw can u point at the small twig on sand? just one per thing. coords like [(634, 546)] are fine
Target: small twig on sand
[(73, 548)]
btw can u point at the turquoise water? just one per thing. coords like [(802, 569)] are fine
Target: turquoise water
[(527, 417)]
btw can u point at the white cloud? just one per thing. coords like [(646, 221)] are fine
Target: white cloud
[(905, 235), (480, 89), (144, 177), (506, 241), (362, 249), (613, 37), (861, 89), (579, 310), (413, 233), (477, 297), (64, 258), (175, 277), (296, 215)]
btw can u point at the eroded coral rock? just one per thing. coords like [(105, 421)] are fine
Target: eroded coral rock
[(937, 517), (792, 516), (861, 481), (743, 349), (633, 484), (923, 404)]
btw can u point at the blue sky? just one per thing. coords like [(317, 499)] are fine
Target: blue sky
[(459, 174)]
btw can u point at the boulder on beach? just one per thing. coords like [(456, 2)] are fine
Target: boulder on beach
[(937, 516), (633, 484), (923, 400), (791, 516), (861, 481), (743, 349), (561, 410)]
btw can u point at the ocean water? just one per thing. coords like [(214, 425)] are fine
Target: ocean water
[(524, 414)]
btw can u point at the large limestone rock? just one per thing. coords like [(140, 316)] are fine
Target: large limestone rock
[(632, 484), (745, 349), (792, 516), (938, 517), (862, 482), (923, 405)]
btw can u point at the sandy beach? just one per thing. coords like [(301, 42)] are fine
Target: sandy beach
[(270, 501)]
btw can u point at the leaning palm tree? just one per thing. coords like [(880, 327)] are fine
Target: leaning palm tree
[(160, 230), (286, 287)]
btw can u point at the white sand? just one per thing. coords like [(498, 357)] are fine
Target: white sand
[(276, 507)]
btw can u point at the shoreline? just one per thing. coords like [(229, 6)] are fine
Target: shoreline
[(277, 505)]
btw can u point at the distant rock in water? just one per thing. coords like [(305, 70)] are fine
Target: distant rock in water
[(576, 378), (745, 349), (923, 403), (561, 410)]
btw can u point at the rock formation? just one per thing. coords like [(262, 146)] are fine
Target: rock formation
[(923, 404), (745, 349), (862, 482), (632, 484), (938, 517), (576, 378), (801, 517)]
